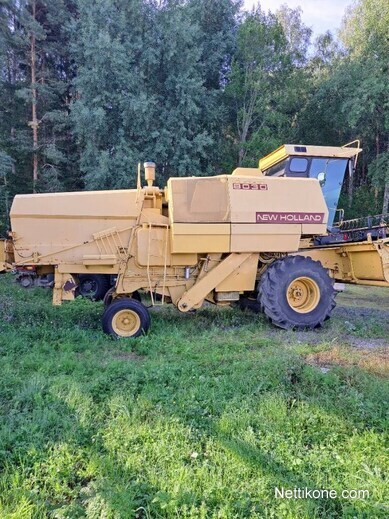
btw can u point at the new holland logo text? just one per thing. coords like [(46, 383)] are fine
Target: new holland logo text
[(265, 217), (249, 186)]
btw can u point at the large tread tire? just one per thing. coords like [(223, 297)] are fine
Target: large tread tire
[(93, 286), (273, 293), (119, 311)]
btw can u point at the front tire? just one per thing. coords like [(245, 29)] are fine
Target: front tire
[(296, 292), (126, 318)]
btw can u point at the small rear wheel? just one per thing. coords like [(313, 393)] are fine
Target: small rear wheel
[(126, 318), (296, 292), (26, 280)]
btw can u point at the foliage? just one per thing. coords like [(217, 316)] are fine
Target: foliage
[(45, 23), (365, 37), (253, 80), (149, 93), (198, 86)]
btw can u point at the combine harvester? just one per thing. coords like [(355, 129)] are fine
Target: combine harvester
[(266, 233)]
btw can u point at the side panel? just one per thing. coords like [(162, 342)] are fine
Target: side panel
[(271, 214), (264, 238), (244, 214), (198, 200), (153, 249), (243, 278), (200, 238), (365, 263), (285, 201), (73, 227)]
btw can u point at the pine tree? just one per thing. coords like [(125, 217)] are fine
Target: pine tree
[(36, 77)]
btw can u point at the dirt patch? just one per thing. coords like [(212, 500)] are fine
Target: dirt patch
[(357, 312), (369, 343), (128, 356), (374, 360)]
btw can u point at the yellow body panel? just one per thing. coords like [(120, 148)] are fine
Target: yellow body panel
[(252, 215), (242, 278), (246, 172), (70, 227), (362, 262), (200, 238), (264, 238)]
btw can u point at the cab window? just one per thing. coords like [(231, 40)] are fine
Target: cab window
[(298, 165), (278, 170)]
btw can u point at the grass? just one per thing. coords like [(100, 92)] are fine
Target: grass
[(202, 418)]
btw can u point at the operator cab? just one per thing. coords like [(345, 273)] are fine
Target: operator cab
[(328, 164)]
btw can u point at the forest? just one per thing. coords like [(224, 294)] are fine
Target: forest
[(89, 89)]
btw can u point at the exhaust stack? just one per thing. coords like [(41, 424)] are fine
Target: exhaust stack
[(149, 173)]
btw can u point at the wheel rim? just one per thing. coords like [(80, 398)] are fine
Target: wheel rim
[(126, 323), (303, 295)]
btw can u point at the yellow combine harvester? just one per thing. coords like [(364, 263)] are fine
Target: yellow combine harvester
[(259, 232)]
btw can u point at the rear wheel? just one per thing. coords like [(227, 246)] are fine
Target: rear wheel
[(93, 286), (26, 280), (296, 292), (126, 318)]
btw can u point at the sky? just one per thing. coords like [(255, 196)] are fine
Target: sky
[(320, 15)]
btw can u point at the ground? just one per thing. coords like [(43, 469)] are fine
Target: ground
[(204, 417)]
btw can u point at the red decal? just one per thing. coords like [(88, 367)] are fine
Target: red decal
[(249, 186), (289, 217)]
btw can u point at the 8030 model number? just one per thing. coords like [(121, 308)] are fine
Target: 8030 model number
[(249, 186)]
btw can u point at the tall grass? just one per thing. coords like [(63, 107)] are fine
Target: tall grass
[(204, 417)]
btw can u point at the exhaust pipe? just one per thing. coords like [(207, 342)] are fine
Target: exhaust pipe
[(149, 173)]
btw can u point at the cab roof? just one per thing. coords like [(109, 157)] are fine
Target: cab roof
[(287, 150)]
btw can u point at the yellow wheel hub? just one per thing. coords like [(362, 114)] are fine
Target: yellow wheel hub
[(303, 295), (126, 323)]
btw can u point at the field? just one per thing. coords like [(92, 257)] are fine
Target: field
[(202, 418)]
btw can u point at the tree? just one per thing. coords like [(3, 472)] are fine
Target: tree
[(266, 86), (6, 167), (364, 34), (256, 61), (151, 93), (113, 109), (298, 35), (36, 76)]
